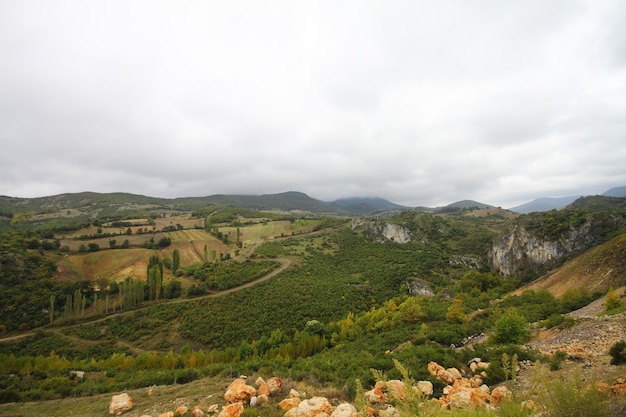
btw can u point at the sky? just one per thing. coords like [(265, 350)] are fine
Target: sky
[(423, 103)]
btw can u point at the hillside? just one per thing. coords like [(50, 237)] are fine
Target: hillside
[(596, 270), (175, 296)]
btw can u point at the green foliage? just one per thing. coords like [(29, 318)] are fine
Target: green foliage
[(574, 398), (225, 275), (511, 328), (556, 362), (533, 305), (612, 300), (154, 278)]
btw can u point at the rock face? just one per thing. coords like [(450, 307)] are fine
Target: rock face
[(120, 404), (396, 233), (418, 289), (522, 247)]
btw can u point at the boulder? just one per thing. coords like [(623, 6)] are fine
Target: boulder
[(499, 394), (397, 389), (289, 403), (259, 381), (213, 408), (345, 410), (238, 391), (440, 373), (262, 399), (181, 410), (168, 414), (197, 411), (456, 374), (231, 410), (425, 387), (120, 404), (377, 395), (276, 384), (311, 408), (264, 389)]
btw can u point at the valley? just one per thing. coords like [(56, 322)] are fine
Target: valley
[(180, 297)]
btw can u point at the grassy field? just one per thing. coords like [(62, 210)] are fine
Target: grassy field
[(194, 246)]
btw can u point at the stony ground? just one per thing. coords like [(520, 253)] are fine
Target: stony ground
[(587, 344)]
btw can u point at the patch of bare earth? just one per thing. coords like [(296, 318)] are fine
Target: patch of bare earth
[(586, 343)]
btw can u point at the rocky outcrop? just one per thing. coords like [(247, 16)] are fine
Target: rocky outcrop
[(538, 241), (419, 289), (383, 231)]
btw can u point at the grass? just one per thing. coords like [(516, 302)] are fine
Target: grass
[(203, 392)]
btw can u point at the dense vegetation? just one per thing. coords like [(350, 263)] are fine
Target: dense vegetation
[(345, 295)]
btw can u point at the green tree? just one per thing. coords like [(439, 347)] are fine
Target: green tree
[(511, 328), (175, 261), (154, 278)]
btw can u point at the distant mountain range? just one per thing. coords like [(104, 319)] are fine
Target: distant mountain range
[(287, 201), (557, 203)]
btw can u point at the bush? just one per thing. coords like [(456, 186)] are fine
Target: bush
[(511, 328), (612, 300), (618, 353), (557, 360), (573, 398)]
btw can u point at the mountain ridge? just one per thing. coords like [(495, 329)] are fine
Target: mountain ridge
[(284, 201)]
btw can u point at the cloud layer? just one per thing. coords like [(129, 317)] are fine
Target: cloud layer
[(422, 103)]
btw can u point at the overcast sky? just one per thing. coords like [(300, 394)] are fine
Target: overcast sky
[(419, 102)]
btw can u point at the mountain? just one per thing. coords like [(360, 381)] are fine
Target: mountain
[(288, 201), (545, 204), (615, 192), (463, 205), (366, 205), (90, 202), (598, 203)]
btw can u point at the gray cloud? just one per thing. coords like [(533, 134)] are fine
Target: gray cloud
[(422, 103)]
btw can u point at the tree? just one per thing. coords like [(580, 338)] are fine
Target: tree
[(175, 261), (52, 299), (154, 278), (173, 289), (512, 327), (455, 313), (410, 311)]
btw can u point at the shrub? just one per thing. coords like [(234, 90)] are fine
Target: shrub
[(511, 328), (618, 353), (557, 360), (573, 398), (612, 300)]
